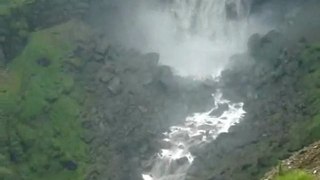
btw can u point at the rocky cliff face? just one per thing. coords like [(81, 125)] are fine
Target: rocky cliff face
[(277, 81), (135, 100), (76, 107)]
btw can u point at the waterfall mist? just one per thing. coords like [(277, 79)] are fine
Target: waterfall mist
[(194, 37)]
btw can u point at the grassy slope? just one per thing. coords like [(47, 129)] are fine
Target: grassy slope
[(295, 175), (42, 135)]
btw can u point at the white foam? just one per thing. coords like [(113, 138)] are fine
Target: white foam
[(189, 135)]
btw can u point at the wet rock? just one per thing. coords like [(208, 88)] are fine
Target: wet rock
[(165, 144), (220, 110), (182, 135), (254, 43), (182, 161), (166, 78), (147, 164), (198, 137)]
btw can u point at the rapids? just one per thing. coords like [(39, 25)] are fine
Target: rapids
[(206, 33)]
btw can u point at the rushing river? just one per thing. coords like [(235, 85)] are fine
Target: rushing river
[(206, 34), (173, 162)]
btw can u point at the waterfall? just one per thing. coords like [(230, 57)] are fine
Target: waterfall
[(214, 19), (206, 33), (197, 37)]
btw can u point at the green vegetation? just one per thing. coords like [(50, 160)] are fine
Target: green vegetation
[(40, 125), (6, 6), (311, 65), (295, 175)]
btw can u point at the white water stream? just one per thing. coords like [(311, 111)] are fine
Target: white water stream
[(173, 162), (206, 34)]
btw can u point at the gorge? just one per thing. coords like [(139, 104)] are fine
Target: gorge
[(159, 89)]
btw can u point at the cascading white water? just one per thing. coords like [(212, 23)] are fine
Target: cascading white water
[(206, 33), (199, 36), (173, 162)]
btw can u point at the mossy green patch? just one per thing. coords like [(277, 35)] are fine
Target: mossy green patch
[(295, 175), (44, 135), (10, 85)]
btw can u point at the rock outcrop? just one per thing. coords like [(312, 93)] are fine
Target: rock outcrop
[(135, 100)]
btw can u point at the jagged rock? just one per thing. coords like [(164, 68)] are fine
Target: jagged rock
[(165, 144), (166, 78), (183, 135), (220, 110), (182, 161), (254, 43)]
